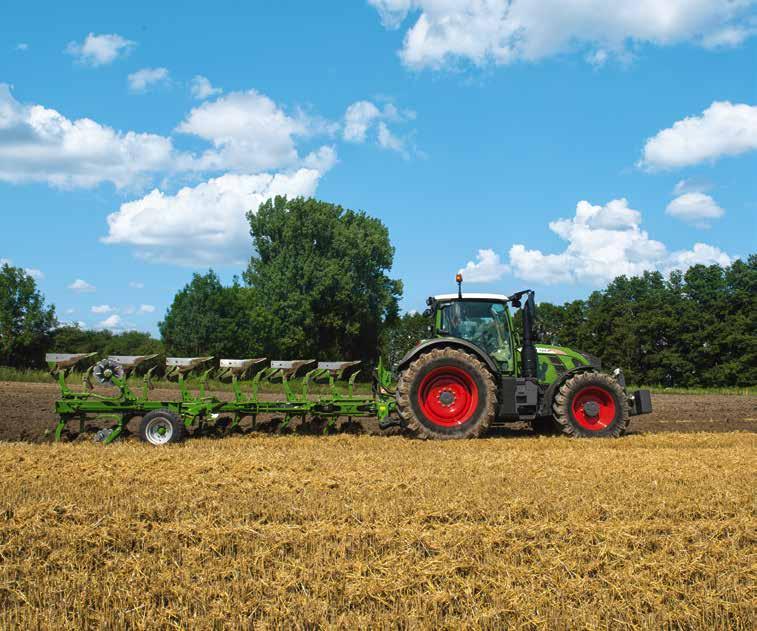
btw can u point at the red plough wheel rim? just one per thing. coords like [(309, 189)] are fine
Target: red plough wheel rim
[(593, 408), (448, 396)]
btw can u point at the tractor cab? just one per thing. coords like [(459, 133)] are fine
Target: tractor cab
[(482, 319)]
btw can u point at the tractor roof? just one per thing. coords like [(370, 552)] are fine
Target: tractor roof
[(469, 296)]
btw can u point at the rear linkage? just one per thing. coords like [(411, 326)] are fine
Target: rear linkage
[(201, 408)]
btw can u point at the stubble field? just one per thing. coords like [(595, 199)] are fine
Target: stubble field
[(651, 530)]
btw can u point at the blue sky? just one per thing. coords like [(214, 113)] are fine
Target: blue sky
[(544, 144)]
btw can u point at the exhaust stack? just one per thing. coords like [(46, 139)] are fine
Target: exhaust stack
[(528, 352)]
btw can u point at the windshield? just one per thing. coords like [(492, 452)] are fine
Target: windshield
[(481, 322)]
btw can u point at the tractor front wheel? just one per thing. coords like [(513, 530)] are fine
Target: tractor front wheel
[(161, 427), (591, 404), (446, 393)]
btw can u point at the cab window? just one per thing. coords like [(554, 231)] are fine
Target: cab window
[(481, 322)]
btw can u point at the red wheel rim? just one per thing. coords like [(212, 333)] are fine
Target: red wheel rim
[(448, 396), (593, 408)]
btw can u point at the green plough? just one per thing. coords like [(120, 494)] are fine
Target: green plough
[(169, 421)]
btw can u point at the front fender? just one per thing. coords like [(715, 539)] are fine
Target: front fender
[(455, 342)]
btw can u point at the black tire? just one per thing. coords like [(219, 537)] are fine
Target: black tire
[(545, 426), (591, 404), (162, 427), (471, 395)]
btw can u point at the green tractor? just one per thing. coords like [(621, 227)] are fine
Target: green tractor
[(476, 372)]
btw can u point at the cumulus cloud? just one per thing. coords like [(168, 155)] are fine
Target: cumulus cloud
[(723, 129), (505, 31), (358, 118), (487, 268), (102, 309), (146, 309), (204, 224), (201, 88), (82, 287), (100, 50), (141, 80), (362, 116), (111, 322), (695, 208), (605, 242), (249, 133), (602, 242), (38, 144)]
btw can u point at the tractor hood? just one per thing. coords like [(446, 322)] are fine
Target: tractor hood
[(547, 351)]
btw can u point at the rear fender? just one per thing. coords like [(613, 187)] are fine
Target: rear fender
[(447, 342)]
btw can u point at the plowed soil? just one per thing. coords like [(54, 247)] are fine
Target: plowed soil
[(27, 414)]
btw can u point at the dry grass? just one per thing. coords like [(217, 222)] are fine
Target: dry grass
[(646, 531)]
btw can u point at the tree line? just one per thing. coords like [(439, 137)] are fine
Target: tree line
[(318, 286)]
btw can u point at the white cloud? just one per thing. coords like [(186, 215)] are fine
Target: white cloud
[(146, 309), (136, 285), (142, 79), (111, 322), (82, 287), (22, 46), (723, 129), (605, 242), (387, 140), (102, 309), (362, 116), (695, 208), (358, 118), (100, 50), (34, 273), (38, 144), (204, 224), (487, 268), (249, 133), (202, 89), (691, 185), (505, 31)]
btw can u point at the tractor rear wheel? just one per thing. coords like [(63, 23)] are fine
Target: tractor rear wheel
[(446, 393), (591, 404), (161, 427)]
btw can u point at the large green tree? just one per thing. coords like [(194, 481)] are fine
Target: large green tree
[(402, 334), (72, 339), (25, 320), (319, 280), (207, 318), (697, 328)]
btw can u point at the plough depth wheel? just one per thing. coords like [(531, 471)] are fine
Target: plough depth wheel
[(161, 427)]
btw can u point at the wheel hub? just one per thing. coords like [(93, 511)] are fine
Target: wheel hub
[(446, 398), (591, 409)]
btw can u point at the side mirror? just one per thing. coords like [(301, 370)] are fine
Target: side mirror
[(427, 313), (515, 303)]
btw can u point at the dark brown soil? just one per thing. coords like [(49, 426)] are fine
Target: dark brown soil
[(27, 414)]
